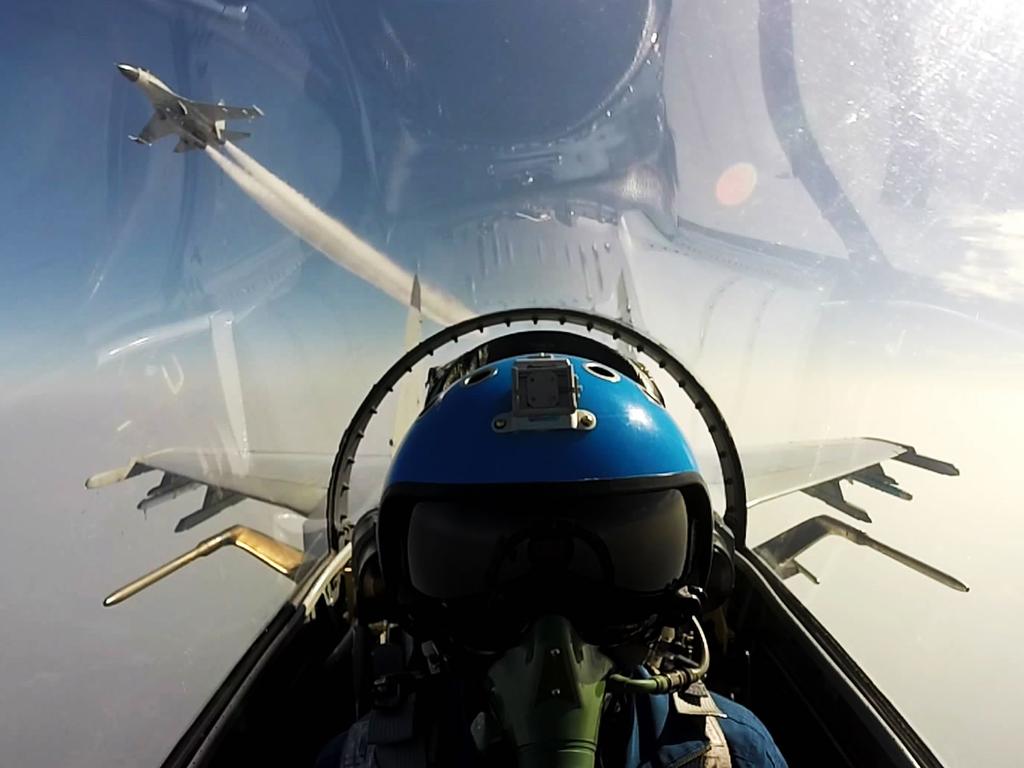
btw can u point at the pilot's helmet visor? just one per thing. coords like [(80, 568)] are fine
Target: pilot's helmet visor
[(549, 555)]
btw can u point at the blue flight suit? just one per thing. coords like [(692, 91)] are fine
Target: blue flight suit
[(661, 737)]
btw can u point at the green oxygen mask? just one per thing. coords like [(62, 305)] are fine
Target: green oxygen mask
[(547, 695)]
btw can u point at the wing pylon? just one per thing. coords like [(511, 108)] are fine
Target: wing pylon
[(819, 470)]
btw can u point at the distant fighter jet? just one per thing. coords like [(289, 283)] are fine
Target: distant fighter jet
[(196, 124)]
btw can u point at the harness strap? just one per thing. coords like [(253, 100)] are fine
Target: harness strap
[(696, 701), (718, 755)]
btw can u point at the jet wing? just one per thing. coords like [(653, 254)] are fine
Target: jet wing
[(816, 468), (157, 127), (295, 481), (214, 112), (299, 482)]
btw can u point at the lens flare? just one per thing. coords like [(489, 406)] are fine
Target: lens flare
[(736, 184)]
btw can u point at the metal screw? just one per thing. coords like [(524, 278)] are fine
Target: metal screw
[(554, 652), (556, 691), (500, 423), (586, 420)]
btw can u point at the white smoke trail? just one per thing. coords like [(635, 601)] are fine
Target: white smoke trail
[(332, 238)]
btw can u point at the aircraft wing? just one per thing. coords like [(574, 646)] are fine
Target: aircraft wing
[(155, 129), (816, 468), (295, 481), (215, 112), (299, 482)]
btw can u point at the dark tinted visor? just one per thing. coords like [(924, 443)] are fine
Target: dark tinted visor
[(548, 551)]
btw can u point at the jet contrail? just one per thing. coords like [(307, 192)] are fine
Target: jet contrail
[(332, 238)]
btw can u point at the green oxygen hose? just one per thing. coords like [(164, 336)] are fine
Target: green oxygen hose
[(668, 681)]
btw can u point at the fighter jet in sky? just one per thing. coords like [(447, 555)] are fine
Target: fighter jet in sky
[(195, 123)]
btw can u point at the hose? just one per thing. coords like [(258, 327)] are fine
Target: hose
[(668, 681)]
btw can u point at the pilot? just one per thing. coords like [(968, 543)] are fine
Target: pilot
[(529, 592)]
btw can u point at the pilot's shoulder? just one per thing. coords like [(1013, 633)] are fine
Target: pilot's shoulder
[(750, 744)]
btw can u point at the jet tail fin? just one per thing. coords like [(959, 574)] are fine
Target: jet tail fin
[(234, 135)]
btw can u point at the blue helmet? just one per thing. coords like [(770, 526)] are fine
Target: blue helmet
[(590, 423), (544, 483)]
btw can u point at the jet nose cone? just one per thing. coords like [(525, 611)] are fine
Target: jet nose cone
[(132, 73)]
